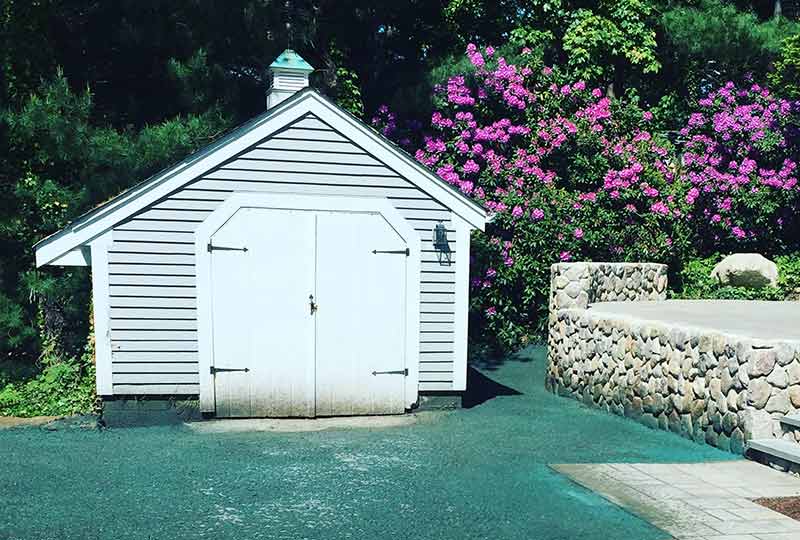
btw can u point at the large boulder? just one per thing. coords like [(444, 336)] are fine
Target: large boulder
[(746, 270)]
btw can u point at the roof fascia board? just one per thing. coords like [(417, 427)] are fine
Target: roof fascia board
[(424, 179), (94, 225)]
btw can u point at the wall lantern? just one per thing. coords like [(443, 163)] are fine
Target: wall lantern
[(441, 245)]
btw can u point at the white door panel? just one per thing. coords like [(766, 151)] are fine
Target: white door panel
[(231, 340), (361, 318), (261, 314)]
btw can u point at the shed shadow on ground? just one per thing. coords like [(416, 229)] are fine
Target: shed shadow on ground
[(481, 389), (488, 361)]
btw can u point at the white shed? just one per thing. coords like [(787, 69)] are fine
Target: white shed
[(288, 269)]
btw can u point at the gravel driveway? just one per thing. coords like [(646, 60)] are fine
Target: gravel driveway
[(479, 473)]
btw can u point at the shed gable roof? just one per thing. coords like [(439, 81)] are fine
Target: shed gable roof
[(101, 219)]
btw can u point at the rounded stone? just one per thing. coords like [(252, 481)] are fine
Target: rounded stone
[(779, 403), (729, 422), (733, 400), (726, 381), (794, 396), (737, 441), (711, 436), (761, 362), (778, 378), (758, 393), (793, 371)]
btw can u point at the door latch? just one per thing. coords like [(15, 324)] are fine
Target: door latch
[(405, 252), (221, 369), (224, 248), (395, 372), (312, 305)]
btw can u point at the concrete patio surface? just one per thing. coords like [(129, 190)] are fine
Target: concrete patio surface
[(760, 320), (700, 501)]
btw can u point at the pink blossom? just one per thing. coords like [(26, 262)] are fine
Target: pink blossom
[(565, 256), (537, 214), (578, 233), (471, 167)]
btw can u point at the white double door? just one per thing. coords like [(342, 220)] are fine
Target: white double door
[(308, 314)]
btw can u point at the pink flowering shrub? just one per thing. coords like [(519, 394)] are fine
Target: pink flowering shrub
[(740, 166), (569, 174)]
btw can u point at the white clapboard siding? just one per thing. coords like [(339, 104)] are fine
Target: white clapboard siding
[(152, 279), (437, 347), (152, 247), (162, 214), (152, 266), (437, 326), (169, 237), (153, 335), (153, 313), (151, 302), (144, 378), (427, 317), (162, 324), (436, 376), (157, 225), (150, 258), (311, 145), (188, 204), (443, 276), (255, 176), (137, 357), (306, 157), (139, 269), (311, 123), (299, 134), (438, 287), (430, 357), (153, 346), (439, 367), (153, 290), (293, 167), (168, 389), (155, 367), (308, 188), (192, 194)]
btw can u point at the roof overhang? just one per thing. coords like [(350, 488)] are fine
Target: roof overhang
[(93, 224)]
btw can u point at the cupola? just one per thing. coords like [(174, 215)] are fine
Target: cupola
[(288, 74)]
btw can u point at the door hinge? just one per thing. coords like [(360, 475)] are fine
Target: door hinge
[(395, 372), (223, 248), (221, 369), (405, 252)]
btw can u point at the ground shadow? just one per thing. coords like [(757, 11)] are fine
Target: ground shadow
[(492, 360), (481, 389)]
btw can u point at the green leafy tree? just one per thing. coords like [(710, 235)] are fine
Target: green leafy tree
[(786, 77)]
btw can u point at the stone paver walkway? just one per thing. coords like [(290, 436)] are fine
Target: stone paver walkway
[(698, 501)]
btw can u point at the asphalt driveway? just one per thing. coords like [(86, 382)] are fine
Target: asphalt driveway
[(475, 473)]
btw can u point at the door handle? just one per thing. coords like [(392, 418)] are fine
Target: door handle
[(311, 304)]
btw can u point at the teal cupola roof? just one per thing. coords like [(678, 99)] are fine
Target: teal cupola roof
[(287, 74), (290, 60)]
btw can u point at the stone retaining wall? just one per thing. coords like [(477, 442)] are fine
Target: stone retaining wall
[(576, 285), (710, 387)]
